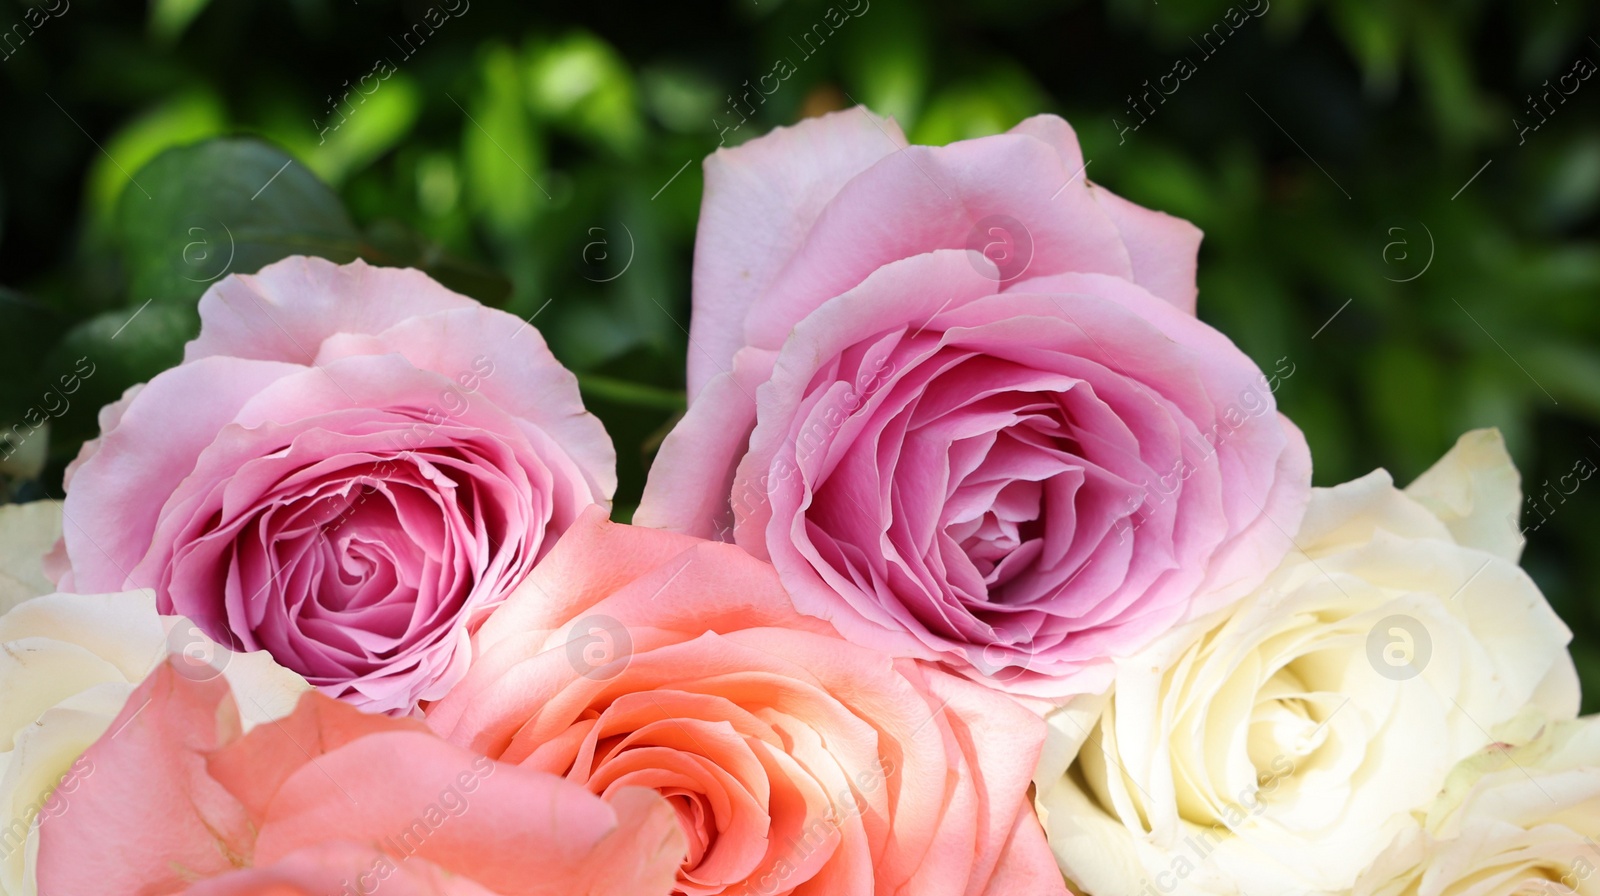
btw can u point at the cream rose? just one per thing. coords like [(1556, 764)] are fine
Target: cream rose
[(67, 665), (27, 531), (1512, 820), (1281, 746)]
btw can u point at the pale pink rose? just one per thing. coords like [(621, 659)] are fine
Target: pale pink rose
[(959, 398), (331, 798), (340, 869), (797, 762), (349, 469)]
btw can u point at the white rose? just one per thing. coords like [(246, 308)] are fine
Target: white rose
[(1279, 747), (68, 664), (1519, 820)]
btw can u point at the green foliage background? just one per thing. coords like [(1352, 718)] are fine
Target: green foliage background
[(521, 153)]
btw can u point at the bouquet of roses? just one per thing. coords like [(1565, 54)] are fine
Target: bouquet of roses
[(978, 565)]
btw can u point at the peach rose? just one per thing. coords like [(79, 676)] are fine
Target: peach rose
[(797, 762), (333, 801)]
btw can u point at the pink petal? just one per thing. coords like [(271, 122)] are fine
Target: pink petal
[(489, 355), (284, 311), (925, 199), (761, 199), (147, 818), (1164, 249), (692, 475), (118, 492)]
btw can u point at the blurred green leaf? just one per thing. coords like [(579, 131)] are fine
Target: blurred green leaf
[(116, 349), (375, 125), (1587, 658), (581, 84), (219, 207), (1570, 372), (501, 150), (392, 244), (888, 58), (187, 119), (1490, 400), (169, 18), (1568, 187), (980, 106), (633, 394), (680, 97), (27, 330), (1375, 34), (1405, 389), (1444, 64)]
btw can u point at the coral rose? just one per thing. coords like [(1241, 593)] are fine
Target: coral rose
[(349, 469), (797, 762), (331, 800), (958, 396)]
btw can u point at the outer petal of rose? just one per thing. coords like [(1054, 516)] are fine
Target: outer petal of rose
[(1027, 866), (1164, 249), (1000, 742), (108, 418), (119, 491), (587, 565), (1477, 491), (692, 475), (526, 379), (328, 868), (284, 311), (594, 560), (27, 532), (612, 573), (1347, 514), (119, 630), (148, 819), (263, 690), (515, 831), (1249, 557), (924, 199), (761, 200), (254, 767)]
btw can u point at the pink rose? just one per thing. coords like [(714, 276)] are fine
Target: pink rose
[(340, 869), (959, 398), (331, 800), (797, 762), (349, 469)]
